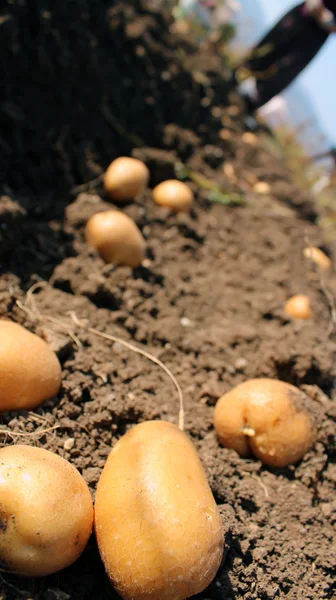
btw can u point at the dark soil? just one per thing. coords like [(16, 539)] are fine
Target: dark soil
[(207, 300)]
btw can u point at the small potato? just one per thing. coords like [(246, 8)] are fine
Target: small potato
[(262, 187), (116, 237), (267, 418), (157, 525), (46, 511), (316, 255), (125, 178), (249, 138), (225, 134), (29, 370), (174, 195), (298, 307)]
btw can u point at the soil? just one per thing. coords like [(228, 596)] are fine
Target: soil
[(207, 300)]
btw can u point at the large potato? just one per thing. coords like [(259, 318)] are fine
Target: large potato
[(157, 525), (46, 511), (268, 418)]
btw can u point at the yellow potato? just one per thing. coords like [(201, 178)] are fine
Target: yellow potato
[(46, 511), (125, 178), (116, 237), (29, 370), (298, 307), (267, 418), (174, 195), (225, 134), (249, 138), (157, 525), (262, 187)]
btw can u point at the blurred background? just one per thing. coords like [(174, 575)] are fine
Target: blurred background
[(310, 99), (309, 103)]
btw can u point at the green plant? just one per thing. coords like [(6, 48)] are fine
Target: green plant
[(215, 193)]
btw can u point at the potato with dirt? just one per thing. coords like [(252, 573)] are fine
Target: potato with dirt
[(125, 178), (173, 194), (116, 238), (266, 418), (46, 511), (30, 372), (157, 525)]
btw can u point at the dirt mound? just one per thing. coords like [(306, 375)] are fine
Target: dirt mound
[(207, 300), (84, 83)]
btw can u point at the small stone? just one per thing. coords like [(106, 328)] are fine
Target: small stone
[(146, 263), (185, 322), (240, 364), (69, 444)]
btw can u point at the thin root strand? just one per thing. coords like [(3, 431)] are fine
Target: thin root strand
[(32, 311)]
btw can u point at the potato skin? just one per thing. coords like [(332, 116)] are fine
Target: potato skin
[(116, 237), (267, 418), (157, 525), (125, 178), (298, 307), (173, 194), (29, 370), (46, 511)]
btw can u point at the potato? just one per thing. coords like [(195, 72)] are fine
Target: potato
[(316, 255), (46, 511), (29, 370), (262, 187), (225, 135), (298, 307), (249, 138), (267, 418), (174, 195), (157, 525), (116, 238), (125, 178)]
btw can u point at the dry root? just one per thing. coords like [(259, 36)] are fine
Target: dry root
[(30, 308)]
